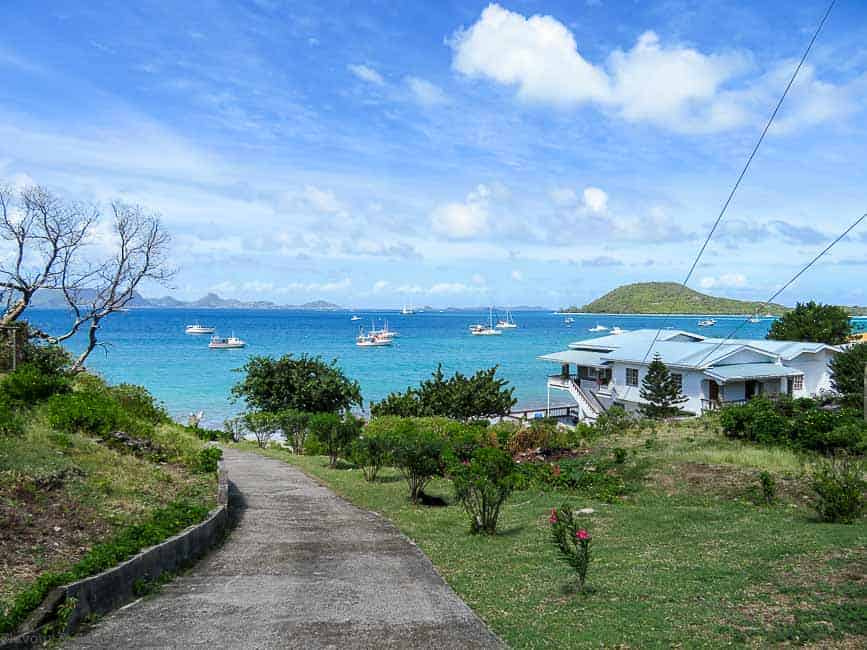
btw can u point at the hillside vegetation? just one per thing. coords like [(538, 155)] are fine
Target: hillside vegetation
[(670, 298)]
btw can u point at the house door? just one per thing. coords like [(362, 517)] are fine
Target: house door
[(751, 389), (713, 391)]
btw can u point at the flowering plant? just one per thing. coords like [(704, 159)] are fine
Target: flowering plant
[(572, 540)]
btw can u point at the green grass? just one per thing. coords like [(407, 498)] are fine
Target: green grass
[(672, 564)]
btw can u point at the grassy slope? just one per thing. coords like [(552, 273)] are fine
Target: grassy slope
[(690, 559), (60, 494), (669, 298)]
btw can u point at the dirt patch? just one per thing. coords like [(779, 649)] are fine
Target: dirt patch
[(540, 455), (723, 480), (41, 527)]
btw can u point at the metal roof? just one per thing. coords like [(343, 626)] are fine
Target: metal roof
[(578, 357), (751, 371)]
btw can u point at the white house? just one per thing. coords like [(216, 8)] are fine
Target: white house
[(603, 372)]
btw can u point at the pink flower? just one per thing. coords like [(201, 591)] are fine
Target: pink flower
[(553, 517), (582, 535)]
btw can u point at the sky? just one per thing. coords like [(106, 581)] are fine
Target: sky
[(452, 153)]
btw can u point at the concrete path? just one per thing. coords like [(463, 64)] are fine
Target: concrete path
[(302, 569)]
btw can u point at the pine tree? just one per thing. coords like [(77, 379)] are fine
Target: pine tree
[(661, 392)]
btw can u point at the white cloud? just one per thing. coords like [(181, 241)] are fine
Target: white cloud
[(673, 86), (425, 92), (366, 73), (517, 276), (479, 279), (595, 200), (324, 201), (464, 220), (453, 288), (326, 287), (724, 281)]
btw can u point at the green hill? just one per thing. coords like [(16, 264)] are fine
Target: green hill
[(670, 298)]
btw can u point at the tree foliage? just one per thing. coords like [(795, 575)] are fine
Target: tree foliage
[(262, 425), (847, 374), (482, 484), (335, 433), (478, 396), (812, 321), (661, 392), (302, 383)]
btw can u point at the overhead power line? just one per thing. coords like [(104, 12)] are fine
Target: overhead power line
[(787, 284), (746, 166)]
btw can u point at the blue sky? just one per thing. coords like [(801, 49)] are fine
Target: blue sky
[(451, 153)]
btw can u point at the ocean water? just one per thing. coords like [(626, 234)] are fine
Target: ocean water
[(149, 347)]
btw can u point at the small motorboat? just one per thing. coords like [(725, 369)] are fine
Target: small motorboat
[(598, 328), (230, 343), (617, 330), (355, 317), (568, 320), (707, 322), (199, 329)]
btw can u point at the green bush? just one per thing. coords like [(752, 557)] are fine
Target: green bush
[(542, 433), (418, 455), (798, 423), (208, 460), (839, 486), (335, 433), (139, 403), (294, 425), (482, 484), (95, 413), (11, 422), (768, 486), (28, 384), (370, 453)]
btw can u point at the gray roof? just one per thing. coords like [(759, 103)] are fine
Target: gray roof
[(751, 371), (679, 349)]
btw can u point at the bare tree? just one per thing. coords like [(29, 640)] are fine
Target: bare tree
[(141, 253), (48, 251), (45, 234)]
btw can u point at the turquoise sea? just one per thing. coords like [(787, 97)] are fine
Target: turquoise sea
[(149, 347)]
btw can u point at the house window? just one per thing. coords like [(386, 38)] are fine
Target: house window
[(632, 376), (678, 380), (798, 382)]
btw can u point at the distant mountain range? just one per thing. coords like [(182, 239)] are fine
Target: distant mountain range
[(55, 300)]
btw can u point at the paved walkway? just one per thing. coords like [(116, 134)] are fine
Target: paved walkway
[(302, 569)]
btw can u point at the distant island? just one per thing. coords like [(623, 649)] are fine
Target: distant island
[(670, 298), (56, 300)]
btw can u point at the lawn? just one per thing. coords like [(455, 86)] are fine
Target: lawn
[(688, 559)]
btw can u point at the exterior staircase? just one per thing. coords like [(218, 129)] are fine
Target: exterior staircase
[(590, 406)]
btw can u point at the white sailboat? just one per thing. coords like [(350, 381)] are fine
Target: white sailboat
[(507, 323), (490, 330)]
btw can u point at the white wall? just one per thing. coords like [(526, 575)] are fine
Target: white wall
[(817, 374)]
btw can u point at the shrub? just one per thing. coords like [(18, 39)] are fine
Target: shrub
[(263, 426), (335, 433), (768, 486), (619, 455), (482, 484), (370, 453), (233, 429), (95, 413), (208, 460), (541, 433), (139, 403), (503, 432), (50, 359), (28, 384), (847, 374), (418, 455), (839, 486), (11, 422), (572, 541), (294, 425), (615, 421)]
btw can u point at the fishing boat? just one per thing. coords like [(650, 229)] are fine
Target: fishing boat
[(707, 322), (508, 323), (489, 330), (598, 328), (617, 330), (371, 340), (229, 343), (199, 329)]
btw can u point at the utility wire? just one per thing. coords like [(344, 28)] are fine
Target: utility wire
[(746, 166), (786, 285)]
